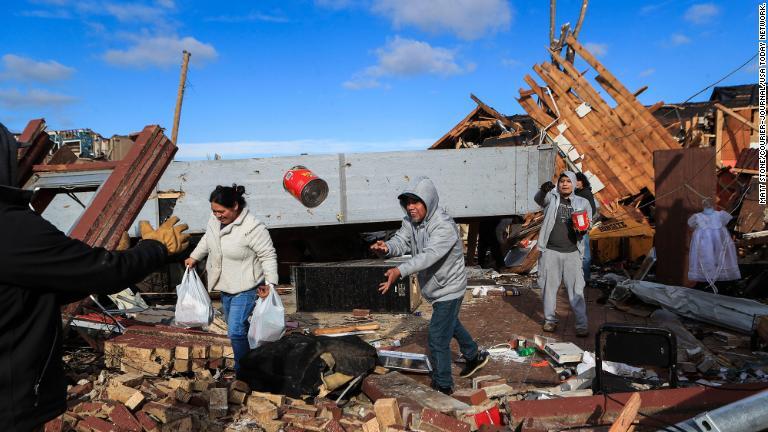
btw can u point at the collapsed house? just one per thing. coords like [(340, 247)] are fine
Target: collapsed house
[(649, 165)]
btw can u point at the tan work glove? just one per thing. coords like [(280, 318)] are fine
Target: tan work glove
[(173, 237), (124, 244)]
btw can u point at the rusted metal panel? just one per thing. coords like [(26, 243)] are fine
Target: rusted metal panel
[(73, 167), (682, 178), (119, 200), (669, 406), (39, 144)]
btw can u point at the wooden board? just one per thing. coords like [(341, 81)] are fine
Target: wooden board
[(675, 203)]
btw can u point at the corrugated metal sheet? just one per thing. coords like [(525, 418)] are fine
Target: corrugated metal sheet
[(362, 187)]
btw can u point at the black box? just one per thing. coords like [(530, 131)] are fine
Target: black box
[(343, 286)]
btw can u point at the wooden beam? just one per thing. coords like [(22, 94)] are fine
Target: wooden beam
[(627, 415), (640, 91), (90, 166), (736, 115)]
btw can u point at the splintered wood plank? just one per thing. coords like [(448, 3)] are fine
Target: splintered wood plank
[(627, 415), (598, 166), (611, 124), (666, 140), (602, 140)]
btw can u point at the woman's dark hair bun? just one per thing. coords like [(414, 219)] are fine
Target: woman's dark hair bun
[(228, 196)]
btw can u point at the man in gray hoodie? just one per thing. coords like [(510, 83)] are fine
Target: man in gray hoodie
[(562, 249), (431, 236)]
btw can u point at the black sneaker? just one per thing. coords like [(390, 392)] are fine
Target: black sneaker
[(443, 390), (474, 365)]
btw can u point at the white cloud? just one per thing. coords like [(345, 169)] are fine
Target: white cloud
[(162, 51), (249, 149), (168, 4), (26, 69), (334, 4), (701, 13), (361, 82), (467, 19), (36, 98), (511, 63), (251, 17), (47, 14), (131, 12), (403, 57), (597, 49), (678, 39), (647, 72)]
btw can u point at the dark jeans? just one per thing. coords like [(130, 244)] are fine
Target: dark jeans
[(237, 310), (444, 326), (586, 260)]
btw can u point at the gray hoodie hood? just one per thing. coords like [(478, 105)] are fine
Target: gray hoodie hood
[(8, 158), (423, 189), (571, 175)]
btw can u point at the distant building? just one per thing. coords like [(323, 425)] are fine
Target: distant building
[(87, 144)]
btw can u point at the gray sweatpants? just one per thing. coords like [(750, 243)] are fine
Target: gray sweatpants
[(554, 268)]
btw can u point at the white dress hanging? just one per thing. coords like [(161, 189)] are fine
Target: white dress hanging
[(713, 255)]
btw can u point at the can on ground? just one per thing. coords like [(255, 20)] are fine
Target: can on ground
[(305, 186)]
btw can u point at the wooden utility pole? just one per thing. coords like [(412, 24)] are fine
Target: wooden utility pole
[(180, 96)]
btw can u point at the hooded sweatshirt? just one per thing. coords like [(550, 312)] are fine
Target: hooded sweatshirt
[(551, 201), (436, 246)]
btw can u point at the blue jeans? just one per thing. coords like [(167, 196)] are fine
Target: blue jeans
[(237, 310), (444, 326), (586, 261)]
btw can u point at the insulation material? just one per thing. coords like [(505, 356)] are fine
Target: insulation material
[(731, 312)]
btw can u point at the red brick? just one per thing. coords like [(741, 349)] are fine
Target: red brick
[(470, 396), (442, 422), (488, 383), (55, 425), (92, 409), (332, 407), (123, 418), (96, 424), (80, 390), (148, 423), (493, 428), (361, 313), (334, 426)]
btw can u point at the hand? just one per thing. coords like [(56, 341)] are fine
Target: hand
[(172, 236), (262, 291), (124, 243), (392, 275), (380, 248), (547, 186), (190, 262)]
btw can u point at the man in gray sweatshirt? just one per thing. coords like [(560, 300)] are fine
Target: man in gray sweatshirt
[(562, 249), (431, 236)]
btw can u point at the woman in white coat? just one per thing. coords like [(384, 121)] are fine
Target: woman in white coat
[(241, 264)]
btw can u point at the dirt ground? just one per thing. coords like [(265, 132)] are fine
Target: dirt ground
[(491, 320)]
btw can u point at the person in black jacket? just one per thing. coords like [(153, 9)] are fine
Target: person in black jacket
[(42, 269), (584, 190)]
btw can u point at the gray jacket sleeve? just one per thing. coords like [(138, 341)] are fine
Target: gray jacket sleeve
[(440, 243), (400, 243)]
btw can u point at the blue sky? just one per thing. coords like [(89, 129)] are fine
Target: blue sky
[(318, 76)]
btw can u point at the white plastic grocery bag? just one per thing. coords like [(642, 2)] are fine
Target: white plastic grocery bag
[(193, 305), (267, 320)]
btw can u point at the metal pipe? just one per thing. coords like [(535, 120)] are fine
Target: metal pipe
[(747, 415)]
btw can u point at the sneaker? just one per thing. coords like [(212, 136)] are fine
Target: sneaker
[(474, 365), (582, 332), (549, 327), (444, 390)]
